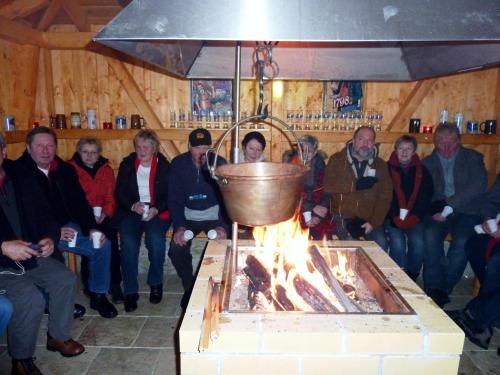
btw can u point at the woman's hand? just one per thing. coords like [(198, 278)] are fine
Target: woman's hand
[(46, 247)]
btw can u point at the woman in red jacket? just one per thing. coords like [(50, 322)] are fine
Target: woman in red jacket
[(98, 181)]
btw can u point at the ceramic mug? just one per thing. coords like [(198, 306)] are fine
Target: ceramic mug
[(488, 127), (472, 127), (136, 122), (414, 126), (10, 123)]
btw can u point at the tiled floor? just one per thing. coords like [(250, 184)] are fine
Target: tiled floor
[(145, 341)]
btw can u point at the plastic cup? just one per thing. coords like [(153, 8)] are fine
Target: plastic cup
[(371, 172), (479, 229), (447, 211), (307, 216), (188, 235), (403, 213), (146, 211), (96, 239), (72, 243), (97, 211), (212, 234), (492, 225)]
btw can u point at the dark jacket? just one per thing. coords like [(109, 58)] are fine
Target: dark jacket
[(62, 191), (407, 177), (35, 217), (127, 190), (470, 178), (194, 188)]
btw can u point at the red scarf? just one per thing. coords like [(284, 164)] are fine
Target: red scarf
[(489, 249), (396, 179), (152, 174)]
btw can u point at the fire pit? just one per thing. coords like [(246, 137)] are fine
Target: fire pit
[(244, 316)]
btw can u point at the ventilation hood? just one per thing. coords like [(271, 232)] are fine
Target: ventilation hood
[(382, 40)]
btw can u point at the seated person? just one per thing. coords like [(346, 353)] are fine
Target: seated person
[(315, 201), (5, 312), (27, 235), (195, 205), (252, 148)]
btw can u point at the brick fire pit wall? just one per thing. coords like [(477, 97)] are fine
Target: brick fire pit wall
[(310, 344)]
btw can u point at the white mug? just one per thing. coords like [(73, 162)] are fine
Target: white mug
[(72, 243), (188, 235), (447, 211), (96, 239), (212, 234), (91, 119), (97, 211), (307, 216), (403, 213), (492, 225)]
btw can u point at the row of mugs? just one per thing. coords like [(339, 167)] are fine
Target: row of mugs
[(473, 127), (58, 121)]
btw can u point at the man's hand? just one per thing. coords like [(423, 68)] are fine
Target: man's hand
[(178, 236), (46, 247), (138, 208), (438, 217), (221, 233), (321, 211), (18, 250), (367, 227), (153, 211), (313, 222), (67, 234), (101, 218)]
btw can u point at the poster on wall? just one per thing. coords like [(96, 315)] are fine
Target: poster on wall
[(211, 95), (343, 96)]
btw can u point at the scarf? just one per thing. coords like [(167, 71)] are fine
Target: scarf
[(396, 179)]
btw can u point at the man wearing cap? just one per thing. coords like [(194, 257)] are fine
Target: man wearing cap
[(195, 204)]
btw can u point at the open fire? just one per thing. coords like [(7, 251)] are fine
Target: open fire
[(284, 272)]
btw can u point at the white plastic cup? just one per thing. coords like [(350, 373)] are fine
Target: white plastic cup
[(479, 229), (447, 211), (97, 211), (307, 216), (96, 239), (146, 211), (492, 225), (72, 243), (212, 234), (188, 235), (371, 172), (403, 213)]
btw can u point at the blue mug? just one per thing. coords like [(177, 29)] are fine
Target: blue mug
[(121, 122), (472, 127), (10, 123)]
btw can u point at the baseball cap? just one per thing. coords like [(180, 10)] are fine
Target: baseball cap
[(200, 137)]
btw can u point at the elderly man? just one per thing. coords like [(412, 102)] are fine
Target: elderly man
[(195, 205), (61, 189), (27, 235), (459, 177), (361, 189)]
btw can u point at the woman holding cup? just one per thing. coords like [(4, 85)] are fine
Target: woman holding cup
[(410, 202), (141, 195), (98, 182)]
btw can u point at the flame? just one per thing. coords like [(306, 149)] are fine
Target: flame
[(282, 250)]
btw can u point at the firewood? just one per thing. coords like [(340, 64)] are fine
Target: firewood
[(281, 302), (330, 280), (312, 296), (259, 280)]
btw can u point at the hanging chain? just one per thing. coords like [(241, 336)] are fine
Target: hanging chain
[(263, 59)]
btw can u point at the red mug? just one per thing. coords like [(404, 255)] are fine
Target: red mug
[(107, 125), (427, 129)]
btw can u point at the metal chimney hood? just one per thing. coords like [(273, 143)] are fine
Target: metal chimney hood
[(382, 40)]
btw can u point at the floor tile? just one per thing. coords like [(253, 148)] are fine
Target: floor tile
[(120, 331), (157, 332), (168, 307), (112, 361), (467, 367), (55, 364), (167, 363), (488, 361)]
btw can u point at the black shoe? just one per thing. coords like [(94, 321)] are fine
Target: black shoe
[(413, 276), (156, 294), (131, 302), (24, 367), (479, 336), (185, 300), (116, 294), (440, 297), (99, 302), (78, 311)]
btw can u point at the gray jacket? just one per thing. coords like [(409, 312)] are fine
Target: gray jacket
[(489, 203), (470, 178)]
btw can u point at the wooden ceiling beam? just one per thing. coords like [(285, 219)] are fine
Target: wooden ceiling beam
[(18, 33), (411, 103), (49, 15), (77, 15), (53, 40), (22, 8)]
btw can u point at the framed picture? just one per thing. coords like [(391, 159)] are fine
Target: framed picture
[(211, 95), (343, 96)]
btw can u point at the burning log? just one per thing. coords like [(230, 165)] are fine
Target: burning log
[(312, 296), (330, 280), (260, 280), (281, 302)]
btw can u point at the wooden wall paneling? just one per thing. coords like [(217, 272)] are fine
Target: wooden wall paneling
[(22, 8), (162, 95), (33, 85), (49, 93), (5, 72), (91, 87), (59, 79), (385, 97), (413, 100), (80, 80), (478, 95), (104, 106), (19, 33), (496, 107)]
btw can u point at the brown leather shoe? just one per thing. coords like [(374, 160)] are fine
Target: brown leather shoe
[(68, 348), (24, 367)]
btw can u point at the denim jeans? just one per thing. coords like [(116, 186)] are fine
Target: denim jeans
[(131, 229), (407, 247), (99, 259), (440, 271), (485, 308), (5, 313)]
